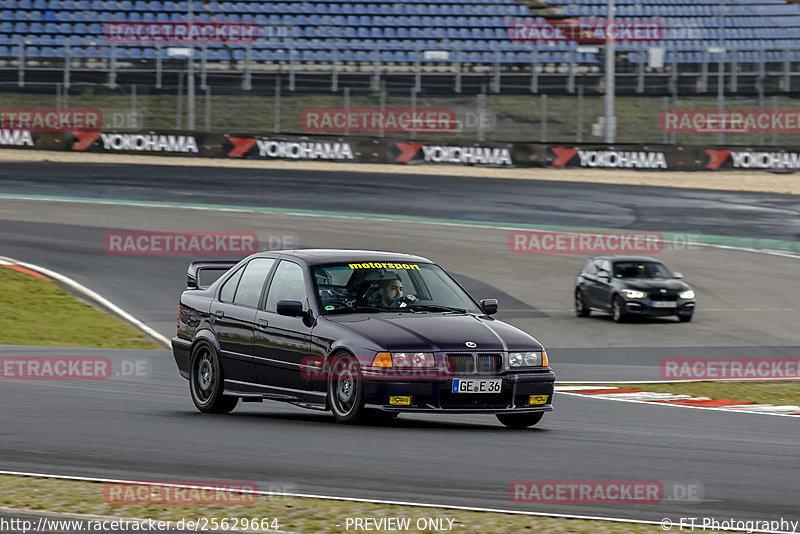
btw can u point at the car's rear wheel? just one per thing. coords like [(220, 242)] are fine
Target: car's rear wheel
[(346, 390), (580, 306), (206, 382), (520, 420), (618, 310)]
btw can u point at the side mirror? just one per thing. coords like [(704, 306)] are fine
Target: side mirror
[(677, 276), (489, 306), (604, 274), (290, 308)]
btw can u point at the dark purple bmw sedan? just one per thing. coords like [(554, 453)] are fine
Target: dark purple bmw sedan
[(360, 333)]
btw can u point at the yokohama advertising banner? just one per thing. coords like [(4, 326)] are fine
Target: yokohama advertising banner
[(636, 157)]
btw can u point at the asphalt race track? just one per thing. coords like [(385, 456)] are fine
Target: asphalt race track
[(145, 427)]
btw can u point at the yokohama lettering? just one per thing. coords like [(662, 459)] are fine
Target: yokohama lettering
[(149, 143), (303, 150), (467, 154), (16, 138)]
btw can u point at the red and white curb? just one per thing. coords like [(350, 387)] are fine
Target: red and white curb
[(21, 269), (672, 399)]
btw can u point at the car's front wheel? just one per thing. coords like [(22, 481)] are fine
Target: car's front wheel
[(346, 390), (685, 318), (520, 420), (580, 306), (206, 382), (617, 310)]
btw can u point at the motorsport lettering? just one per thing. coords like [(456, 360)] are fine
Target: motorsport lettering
[(373, 265)]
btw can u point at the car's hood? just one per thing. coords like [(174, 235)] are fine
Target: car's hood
[(671, 285), (426, 332)]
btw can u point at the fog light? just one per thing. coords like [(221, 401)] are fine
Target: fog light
[(537, 399), (400, 401)]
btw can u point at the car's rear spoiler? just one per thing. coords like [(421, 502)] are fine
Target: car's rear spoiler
[(196, 267)]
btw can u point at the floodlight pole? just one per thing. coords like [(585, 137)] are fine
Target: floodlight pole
[(610, 76), (190, 80), (721, 70)]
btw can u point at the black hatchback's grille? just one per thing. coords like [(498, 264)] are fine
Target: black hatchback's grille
[(657, 295), (470, 363)]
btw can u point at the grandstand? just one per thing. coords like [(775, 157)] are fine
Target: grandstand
[(468, 32)]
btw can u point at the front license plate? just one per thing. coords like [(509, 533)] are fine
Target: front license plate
[(665, 304), (470, 385)]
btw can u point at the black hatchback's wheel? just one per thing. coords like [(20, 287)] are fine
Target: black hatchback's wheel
[(345, 390), (617, 310), (206, 381), (519, 420), (580, 307), (685, 318)]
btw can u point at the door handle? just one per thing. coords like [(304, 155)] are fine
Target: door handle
[(219, 313), (262, 323)]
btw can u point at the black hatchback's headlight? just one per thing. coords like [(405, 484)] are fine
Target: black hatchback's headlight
[(634, 294)]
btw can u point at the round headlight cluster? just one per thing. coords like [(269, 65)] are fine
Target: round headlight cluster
[(527, 359), (413, 359)]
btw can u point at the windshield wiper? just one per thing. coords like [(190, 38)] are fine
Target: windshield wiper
[(436, 308)]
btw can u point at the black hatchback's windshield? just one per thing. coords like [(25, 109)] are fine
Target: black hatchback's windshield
[(641, 269), (375, 287)]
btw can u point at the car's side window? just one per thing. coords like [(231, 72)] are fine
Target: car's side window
[(604, 266), (287, 284), (229, 287), (248, 293), (589, 268)]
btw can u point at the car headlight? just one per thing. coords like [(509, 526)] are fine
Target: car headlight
[(413, 359), (527, 359), (633, 294), (688, 294)]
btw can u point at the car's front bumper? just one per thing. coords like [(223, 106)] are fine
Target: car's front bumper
[(645, 307), (436, 395)]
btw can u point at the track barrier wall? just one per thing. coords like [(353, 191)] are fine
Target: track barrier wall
[(406, 151)]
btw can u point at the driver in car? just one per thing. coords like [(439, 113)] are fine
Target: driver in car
[(390, 293)]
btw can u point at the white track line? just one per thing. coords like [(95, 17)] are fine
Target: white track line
[(80, 288), (347, 499), (268, 211)]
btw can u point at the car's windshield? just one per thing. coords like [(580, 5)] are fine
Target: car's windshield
[(641, 269), (376, 287)]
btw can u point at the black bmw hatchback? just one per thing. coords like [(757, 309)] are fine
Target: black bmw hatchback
[(627, 286), (358, 333)]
